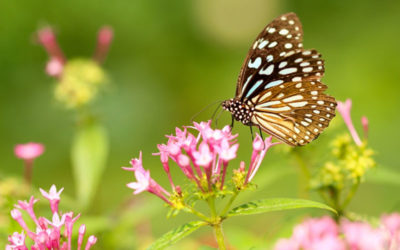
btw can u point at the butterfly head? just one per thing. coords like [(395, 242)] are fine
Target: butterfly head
[(240, 111)]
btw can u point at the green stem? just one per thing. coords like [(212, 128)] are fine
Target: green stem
[(197, 213), (350, 194), (211, 204), (219, 236), (228, 205)]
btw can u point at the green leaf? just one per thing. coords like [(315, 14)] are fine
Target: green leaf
[(177, 234), (383, 175), (276, 204), (89, 155)]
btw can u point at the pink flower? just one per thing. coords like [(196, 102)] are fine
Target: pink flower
[(344, 109), (142, 181), (56, 220), (17, 241), (204, 156), (53, 196), (135, 164), (28, 207), (259, 151), (227, 152), (29, 151), (359, 235)]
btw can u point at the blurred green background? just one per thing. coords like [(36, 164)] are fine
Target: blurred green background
[(168, 60)]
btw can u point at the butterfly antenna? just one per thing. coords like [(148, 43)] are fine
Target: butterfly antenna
[(218, 116), (203, 109)]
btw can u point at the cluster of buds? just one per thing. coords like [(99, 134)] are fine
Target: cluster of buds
[(203, 159), (79, 80), (48, 234), (325, 233)]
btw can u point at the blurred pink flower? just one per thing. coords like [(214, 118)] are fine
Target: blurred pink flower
[(365, 124), (360, 235), (48, 234), (325, 233), (344, 109), (29, 151), (54, 67), (104, 39)]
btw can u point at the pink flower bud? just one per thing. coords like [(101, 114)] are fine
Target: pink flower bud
[(82, 231), (91, 241)]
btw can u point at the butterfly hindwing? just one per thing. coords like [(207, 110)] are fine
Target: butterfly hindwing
[(294, 112)]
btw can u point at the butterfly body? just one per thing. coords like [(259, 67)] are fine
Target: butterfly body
[(279, 88)]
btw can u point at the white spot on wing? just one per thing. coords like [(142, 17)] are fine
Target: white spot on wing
[(298, 104), (255, 64), (263, 44), (283, 32), (273, 44), (288, 71), (273, 83), (268, 70), (293, 98)]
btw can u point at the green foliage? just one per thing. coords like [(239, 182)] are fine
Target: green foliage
[(275, 204), (177, 234), (89, 155)]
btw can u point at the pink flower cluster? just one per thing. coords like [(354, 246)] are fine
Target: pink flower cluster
[(48, 234), (55, 65), (202, 157), (325, 233)]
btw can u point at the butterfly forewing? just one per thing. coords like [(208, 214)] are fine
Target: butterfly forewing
[(282, 36)]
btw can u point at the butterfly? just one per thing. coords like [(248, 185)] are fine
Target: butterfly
[(279, 88)]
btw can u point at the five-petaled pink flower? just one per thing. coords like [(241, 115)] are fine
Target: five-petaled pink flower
[(53, 196)]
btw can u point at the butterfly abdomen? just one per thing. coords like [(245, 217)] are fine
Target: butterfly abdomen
[(242, 112)]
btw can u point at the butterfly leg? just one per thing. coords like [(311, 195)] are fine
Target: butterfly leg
[(251, 132), (262, 137), (233, 122)]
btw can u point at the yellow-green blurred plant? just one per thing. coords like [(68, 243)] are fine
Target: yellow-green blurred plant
[(350, 158), (78, 83)]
